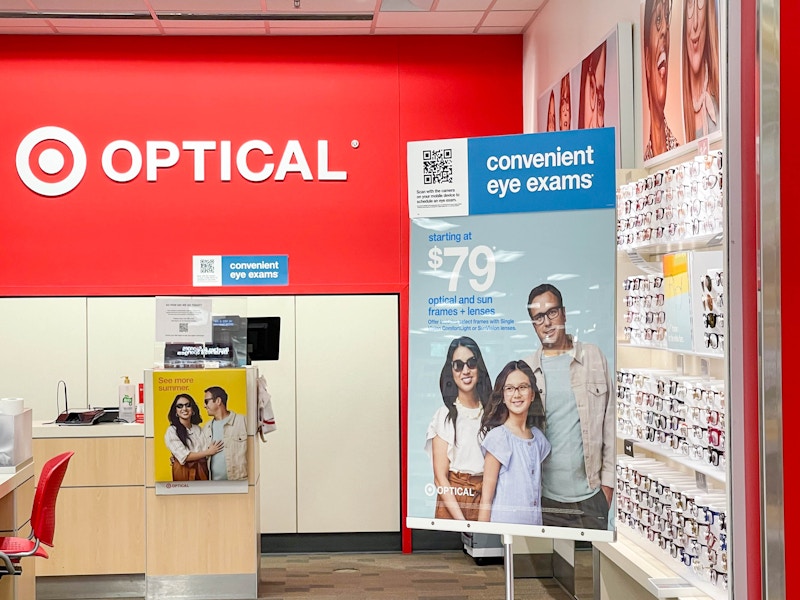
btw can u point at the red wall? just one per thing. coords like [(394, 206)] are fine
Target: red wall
[(137, 238)]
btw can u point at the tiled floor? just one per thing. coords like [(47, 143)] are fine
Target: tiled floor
[(421, 576)]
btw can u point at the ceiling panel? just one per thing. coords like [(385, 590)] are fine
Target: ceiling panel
[(509, 18), (268, 17), (91, 6)]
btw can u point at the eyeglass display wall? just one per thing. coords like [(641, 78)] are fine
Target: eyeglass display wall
[(672, 483)]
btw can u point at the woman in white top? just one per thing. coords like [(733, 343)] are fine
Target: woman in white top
[(185, 441), (452, 437)]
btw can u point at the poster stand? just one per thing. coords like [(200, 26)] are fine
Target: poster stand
[(508, 563)]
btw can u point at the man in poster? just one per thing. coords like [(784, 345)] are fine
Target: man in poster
[(230, 428), (578, 476)]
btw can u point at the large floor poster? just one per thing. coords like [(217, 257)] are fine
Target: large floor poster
[(512, 424)]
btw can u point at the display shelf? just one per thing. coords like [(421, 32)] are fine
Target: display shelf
[(671, 244), (668, 453), (641, 553), (691, 243), (649, 571), (624, 342)]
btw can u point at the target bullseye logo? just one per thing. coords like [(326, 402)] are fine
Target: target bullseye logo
[(51, 161)]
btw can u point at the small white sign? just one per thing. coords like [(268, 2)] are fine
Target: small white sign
[(438, 178), (207, 271), (183, 320)]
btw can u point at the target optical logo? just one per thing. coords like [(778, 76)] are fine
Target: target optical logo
[(51, 161), (61, 160)]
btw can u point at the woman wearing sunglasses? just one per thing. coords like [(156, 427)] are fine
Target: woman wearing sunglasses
[(184, 439), (452, 437)]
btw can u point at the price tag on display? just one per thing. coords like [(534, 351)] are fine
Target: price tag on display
[(479, 262)]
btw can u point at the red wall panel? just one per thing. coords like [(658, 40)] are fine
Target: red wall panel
[(137, 238)]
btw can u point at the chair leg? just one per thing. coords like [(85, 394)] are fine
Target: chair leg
[(8, 567)]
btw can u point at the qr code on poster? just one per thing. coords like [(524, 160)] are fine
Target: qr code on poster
[(437, 166), (183, 328), (207, 266)]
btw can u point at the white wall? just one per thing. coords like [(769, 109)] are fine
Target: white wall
[(562, 35)]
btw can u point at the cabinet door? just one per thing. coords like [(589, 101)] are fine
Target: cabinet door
[(348, 414), (43, 341), (278, 473)]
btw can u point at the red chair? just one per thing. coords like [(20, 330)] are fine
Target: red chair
[(43, 518)]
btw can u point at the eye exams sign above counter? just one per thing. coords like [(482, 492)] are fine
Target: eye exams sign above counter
[(514, 173), (512, 251)]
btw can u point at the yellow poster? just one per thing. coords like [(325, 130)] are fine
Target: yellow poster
[(199, 425)]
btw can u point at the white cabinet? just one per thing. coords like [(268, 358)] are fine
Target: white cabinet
[(332, 465)]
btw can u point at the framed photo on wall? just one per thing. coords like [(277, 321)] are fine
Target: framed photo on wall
[(596, 92), (681, 76)]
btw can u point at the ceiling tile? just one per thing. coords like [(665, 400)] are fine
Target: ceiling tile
[(406, 5), (107, 26), (359, 26), (170, 26), (32, 30), (448, 5), (500, 30), (323, 6), (318, 31), (217, 31), (116, 31), (91, 6), (14, 5), (426, 31), (508, 18), (206, 6), (427, 20), (518, 5)]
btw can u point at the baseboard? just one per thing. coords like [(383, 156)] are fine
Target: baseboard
[(306, 543)]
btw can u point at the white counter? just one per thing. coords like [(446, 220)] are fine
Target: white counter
[(48, 429)]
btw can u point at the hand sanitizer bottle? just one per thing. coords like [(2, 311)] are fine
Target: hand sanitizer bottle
[(127, 392)]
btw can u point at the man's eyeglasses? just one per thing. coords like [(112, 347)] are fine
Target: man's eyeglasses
[(180, 406), (550, 313), (662, 13), (458, 365), (207, 400), (522, 388)]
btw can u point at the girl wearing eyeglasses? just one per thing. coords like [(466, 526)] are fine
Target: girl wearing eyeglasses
[(452, 436), (184, 439), (514, 447)]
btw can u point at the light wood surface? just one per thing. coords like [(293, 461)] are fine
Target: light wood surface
[(97, 461), (202, 534), (99, 531), (100, 511)]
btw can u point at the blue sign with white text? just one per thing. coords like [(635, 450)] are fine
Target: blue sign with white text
[(565, 170), (255, 270)]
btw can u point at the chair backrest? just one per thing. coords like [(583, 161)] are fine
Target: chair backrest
[(43, 515)]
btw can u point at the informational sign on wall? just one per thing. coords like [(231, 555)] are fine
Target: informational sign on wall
[(240, 270), (512, 425)]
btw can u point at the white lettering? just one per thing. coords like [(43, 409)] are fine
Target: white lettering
[(108, 161), (293, 150), (323, 173), (199, 148), (154, 162)]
